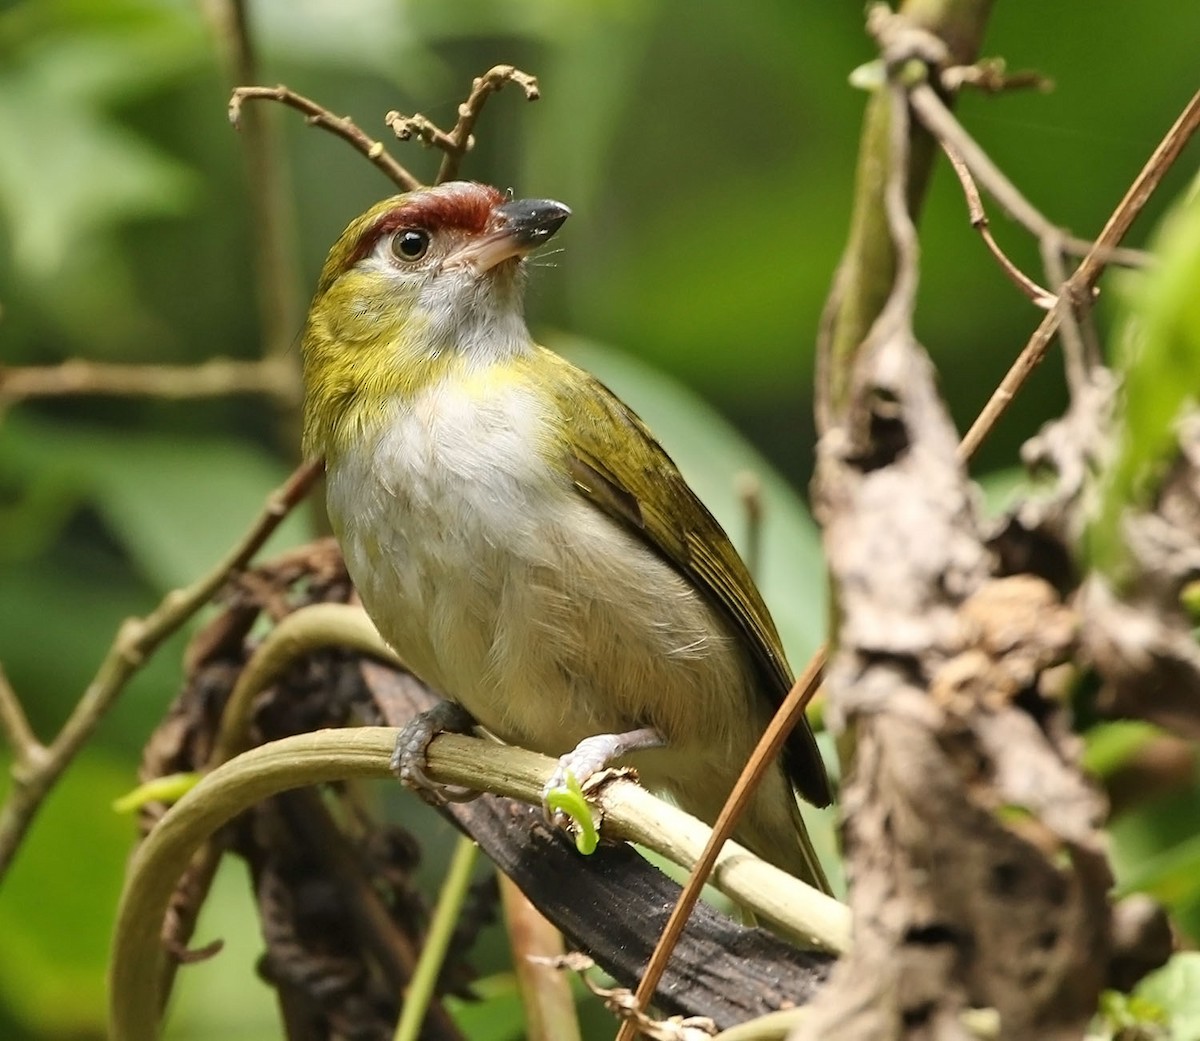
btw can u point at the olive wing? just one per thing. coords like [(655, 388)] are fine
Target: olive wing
[(643, 490)]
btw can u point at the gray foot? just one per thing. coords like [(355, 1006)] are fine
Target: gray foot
[(593, 754), (408, 759)]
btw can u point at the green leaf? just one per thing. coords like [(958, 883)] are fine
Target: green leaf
[(1111, 745), (77, 171), (1156, 850), (176, 504), (569, 799), (1173, 876), (1175, 988), (498, 1015), (1126, 1016), (1160, 364), (57, 907)]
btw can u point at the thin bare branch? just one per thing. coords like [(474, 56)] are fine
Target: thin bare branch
[(954, 138), (1089, 270), (545, 992), (991, 76), (468, 112), (136, 640), (457, 142), (341, 126), (749, 491), (1040, 297), (28, 752), (765, 753), (1075, 359), (420, 127), (217, 377)]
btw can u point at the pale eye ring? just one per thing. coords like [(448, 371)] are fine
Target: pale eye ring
[(410, 244)]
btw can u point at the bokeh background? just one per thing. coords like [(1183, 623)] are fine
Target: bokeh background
[(707, 150)]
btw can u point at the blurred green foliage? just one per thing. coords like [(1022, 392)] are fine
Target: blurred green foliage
[(1160, 363), (707, 150)]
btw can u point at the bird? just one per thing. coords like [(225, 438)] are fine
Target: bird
[(519, 536)]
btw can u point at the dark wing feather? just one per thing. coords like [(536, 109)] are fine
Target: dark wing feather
[(644, 491)]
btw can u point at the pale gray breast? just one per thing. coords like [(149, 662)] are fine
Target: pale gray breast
[(506, 590)]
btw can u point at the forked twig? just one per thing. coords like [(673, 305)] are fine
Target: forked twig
[(456, 143), (1086, 274), (28, 752), (954, 137), (341, 126), (468, 112), (1040, 297)]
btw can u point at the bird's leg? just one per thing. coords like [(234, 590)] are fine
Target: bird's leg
[(593, 754), (408, 759)]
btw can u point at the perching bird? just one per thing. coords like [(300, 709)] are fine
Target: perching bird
[(518, 535)]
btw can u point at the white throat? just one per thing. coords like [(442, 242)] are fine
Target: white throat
[(478, 318)]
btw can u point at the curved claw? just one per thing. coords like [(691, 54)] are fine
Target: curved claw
[(409, 761)]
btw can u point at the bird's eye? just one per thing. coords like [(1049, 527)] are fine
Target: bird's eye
[(409, 244)]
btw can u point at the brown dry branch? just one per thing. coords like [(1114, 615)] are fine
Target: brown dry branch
[(765, 754), (1040, 297), (468, 112), (862, 286), (550, 1013), (457, 142), (937, 118), (29, 754), (1141, 638), (1087, 273), (749, 491), (420, 127), (991, 76), (217, 377), (135, 641), (319, 116), (977, 870)]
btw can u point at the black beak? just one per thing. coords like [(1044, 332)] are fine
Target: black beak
[(531, 222)]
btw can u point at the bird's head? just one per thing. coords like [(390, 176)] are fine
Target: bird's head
[(419, 285)]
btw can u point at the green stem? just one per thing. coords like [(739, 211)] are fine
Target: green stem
[(630, 813), (437, 941)]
